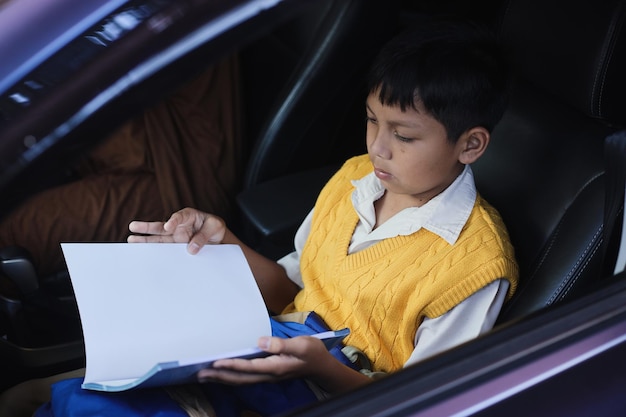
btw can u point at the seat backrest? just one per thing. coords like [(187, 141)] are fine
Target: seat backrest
[(313, 98), (544, 167)]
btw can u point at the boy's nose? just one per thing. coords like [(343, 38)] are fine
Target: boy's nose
[(380, 144)]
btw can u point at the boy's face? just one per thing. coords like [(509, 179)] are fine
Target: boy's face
[(410, 152)]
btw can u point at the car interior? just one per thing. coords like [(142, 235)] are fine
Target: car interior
[(554, 170)]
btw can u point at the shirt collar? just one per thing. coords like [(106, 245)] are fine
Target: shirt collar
[(444, 215)]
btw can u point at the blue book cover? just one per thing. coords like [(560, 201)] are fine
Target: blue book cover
[(175, 373)]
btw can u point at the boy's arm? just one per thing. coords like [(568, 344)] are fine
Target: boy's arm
[(472, 317)]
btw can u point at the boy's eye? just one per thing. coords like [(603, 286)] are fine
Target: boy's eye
[(369, 119), (401, 138)]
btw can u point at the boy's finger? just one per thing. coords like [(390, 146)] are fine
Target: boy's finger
[(147, 228)]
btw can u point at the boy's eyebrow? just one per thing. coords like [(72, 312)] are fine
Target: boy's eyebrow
[(402, 123)]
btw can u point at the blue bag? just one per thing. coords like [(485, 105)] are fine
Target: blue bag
[(70, 400)]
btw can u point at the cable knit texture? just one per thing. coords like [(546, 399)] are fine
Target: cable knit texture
[(383, 292)]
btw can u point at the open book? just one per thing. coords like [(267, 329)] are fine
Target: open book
[(153, 315)]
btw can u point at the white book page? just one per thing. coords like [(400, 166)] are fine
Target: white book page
[(142, 304)]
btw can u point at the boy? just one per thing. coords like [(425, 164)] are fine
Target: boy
[(401, 229), (399, 247)]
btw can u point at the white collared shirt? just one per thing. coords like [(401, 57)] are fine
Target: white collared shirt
[(444, 215)]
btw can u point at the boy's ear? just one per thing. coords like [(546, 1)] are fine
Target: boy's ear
[(473, 144)]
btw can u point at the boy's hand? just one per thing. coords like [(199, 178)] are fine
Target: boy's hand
[(298, 357), (185, 226)]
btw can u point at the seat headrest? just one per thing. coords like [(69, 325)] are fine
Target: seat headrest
[(574, 49)]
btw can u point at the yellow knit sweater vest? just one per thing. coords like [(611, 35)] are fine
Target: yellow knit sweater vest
[(382, 293)]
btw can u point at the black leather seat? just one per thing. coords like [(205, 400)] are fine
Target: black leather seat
[(303, 129), (315, 121), (544, 169)]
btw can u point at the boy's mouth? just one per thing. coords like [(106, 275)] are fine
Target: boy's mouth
[(382, 175)]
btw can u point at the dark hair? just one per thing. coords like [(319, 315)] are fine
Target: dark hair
[(456, 69)]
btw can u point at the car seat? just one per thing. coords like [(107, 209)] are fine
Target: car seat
[(544, 167), (316, 118), (303, 127)]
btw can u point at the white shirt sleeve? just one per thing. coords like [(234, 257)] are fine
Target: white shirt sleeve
[(291, 261), (469, 319)]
